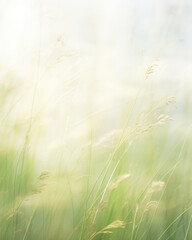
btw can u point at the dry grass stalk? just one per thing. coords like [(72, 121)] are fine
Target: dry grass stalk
[(109, 228), (118, 181), (150, 69), (145, 122)]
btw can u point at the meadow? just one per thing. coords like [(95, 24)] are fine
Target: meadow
[(132, 182), (95, 144)]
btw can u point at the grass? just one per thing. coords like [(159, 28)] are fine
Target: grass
[(132, 183)]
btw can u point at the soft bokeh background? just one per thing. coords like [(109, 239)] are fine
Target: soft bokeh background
[(83, 62), (95, 119)]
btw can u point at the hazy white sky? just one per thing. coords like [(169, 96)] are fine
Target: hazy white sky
[(116, 35), (84, 22), (111, 43)]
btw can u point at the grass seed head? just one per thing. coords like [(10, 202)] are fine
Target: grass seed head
[(156, 186), (118, 181), (115, 224)]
